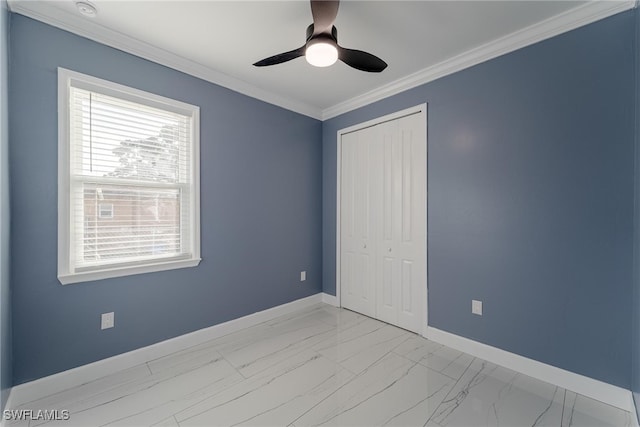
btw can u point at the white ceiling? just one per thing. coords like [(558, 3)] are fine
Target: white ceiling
[(220, 40)]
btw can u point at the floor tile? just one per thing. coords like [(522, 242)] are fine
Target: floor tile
[(169, 422), (489, 395), (275, 397), (343, 319), (152, 399), (581, 411), (443, 359), (184, 360), (63, 399), (273, 346), (112, 385), (358, 347), (394, 391), (314, 314)]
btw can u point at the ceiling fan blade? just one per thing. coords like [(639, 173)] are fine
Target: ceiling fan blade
[(360, 60), (324, 14), (281, 57)]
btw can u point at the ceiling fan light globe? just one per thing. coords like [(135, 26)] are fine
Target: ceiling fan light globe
[(321, 54)]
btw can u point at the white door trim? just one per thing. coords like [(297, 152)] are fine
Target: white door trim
[(422, 109)]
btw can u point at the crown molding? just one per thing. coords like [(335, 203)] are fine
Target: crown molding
[(558, 24), (566, 21), (45, 12)]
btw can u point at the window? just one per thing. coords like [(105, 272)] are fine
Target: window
[(128, 185)]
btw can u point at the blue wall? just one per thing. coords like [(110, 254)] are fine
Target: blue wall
[(635, 339), (6, 379), (530, 189), (261, 214)]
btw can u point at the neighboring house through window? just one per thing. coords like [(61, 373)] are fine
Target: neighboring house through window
[(128, 181)]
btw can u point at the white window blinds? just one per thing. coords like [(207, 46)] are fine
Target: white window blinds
[(131, 183)]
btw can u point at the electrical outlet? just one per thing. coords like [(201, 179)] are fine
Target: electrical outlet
[(476, 307), (303, 276), (107, 320)]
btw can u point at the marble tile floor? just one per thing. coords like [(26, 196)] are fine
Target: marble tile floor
[(322, 366)]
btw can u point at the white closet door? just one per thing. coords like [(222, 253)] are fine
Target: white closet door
[(383, 221), (402, 256), (357, 242)]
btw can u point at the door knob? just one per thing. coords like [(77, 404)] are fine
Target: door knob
[(364, 246), (389, 249)]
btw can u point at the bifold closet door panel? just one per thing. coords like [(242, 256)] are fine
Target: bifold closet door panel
[(390, 198), (357, 240), (401, 259), (409, 243)]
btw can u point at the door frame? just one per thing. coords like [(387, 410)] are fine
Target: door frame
[(418, 109)]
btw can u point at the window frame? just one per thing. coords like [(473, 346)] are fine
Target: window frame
[(66, 272)]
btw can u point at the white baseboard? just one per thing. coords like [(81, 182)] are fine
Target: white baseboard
[(42, 387), (595, 389), (634, 413), (330, 299), (3, 422)]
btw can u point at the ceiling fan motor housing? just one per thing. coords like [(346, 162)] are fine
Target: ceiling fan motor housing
[(333, 35)]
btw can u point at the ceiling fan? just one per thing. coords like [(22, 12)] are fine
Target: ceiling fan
[(322, 49)]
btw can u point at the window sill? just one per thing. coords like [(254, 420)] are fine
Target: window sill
[(87, 276)]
